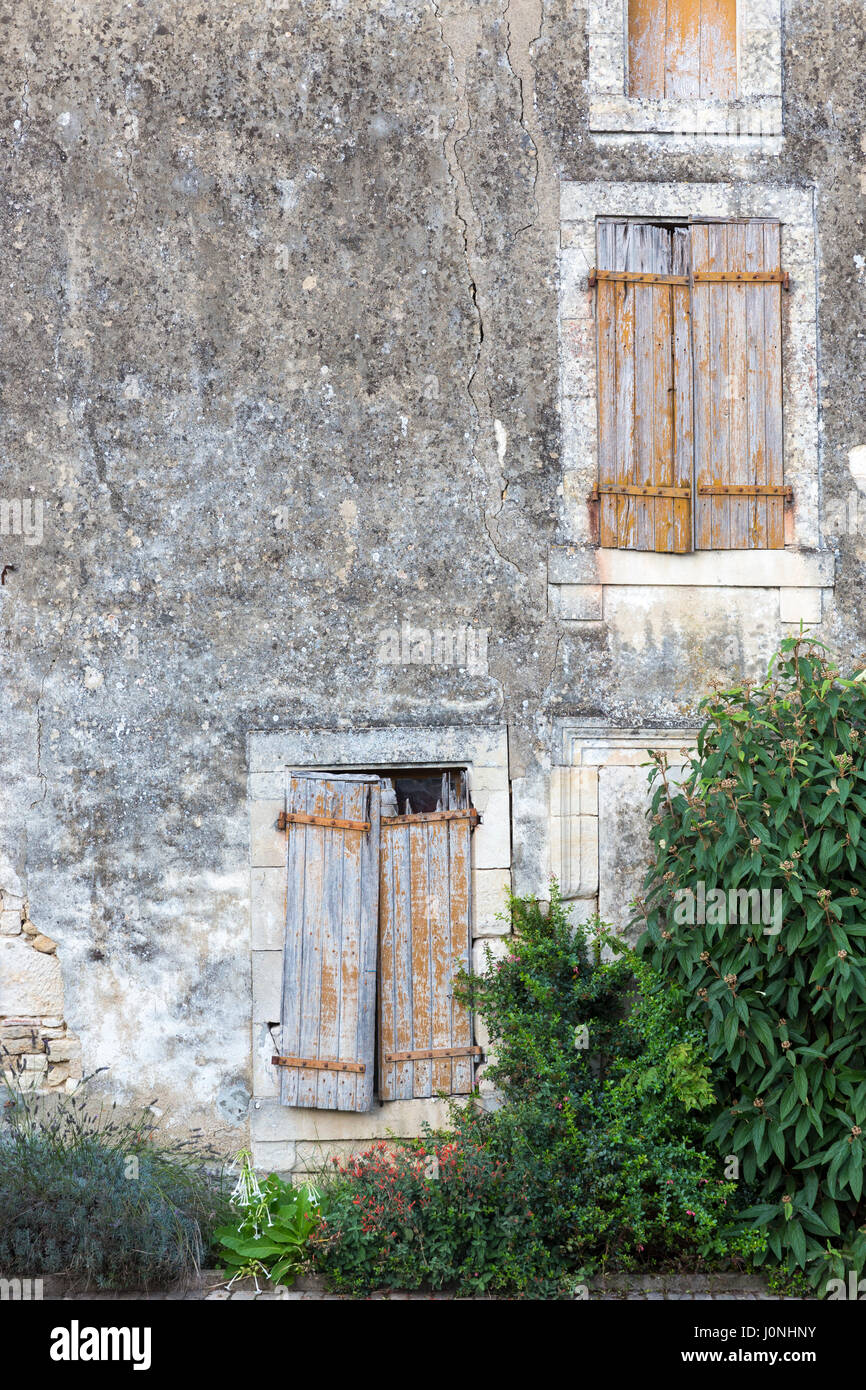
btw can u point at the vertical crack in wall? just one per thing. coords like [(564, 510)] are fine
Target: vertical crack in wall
[(459, 130), (523, 34)]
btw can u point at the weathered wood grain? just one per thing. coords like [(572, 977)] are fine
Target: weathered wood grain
[(425, 939), (718, 49), (737, 386), (682, 48), (642, 387), (329, 961), (683, 445)]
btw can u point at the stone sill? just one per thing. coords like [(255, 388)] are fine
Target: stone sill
[(750, 569), (758, 117)]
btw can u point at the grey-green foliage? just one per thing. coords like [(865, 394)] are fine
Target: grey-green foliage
[(88, 1193)]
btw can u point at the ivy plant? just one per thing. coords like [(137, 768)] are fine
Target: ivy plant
[(755, 905)]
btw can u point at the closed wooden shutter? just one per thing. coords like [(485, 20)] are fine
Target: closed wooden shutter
[(737, 330), (682, 48), (689, 325), (425, 937), (644, 391), (329, 970)]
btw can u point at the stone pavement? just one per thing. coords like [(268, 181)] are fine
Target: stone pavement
[(212, 1286)]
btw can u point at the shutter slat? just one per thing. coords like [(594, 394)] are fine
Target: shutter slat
[(459, 844), (740, 509), (311, 957), (663, 412), (332, 946), (682, 394), (419, 891), (625, 389), (755, 386), (606, 310), (683, 48), (643, 258), (646, 50), (439, 909), (718, 49), (290, 1019), (390, 846), (404, 1002), (709, 310)]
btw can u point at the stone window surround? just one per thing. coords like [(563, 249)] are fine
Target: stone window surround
[(581, 750), (580, 571), (288, 1139), (756, 112)]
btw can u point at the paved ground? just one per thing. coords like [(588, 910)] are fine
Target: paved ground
[(668, 1288)]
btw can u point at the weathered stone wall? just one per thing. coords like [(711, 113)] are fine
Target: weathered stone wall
[(282, 369)]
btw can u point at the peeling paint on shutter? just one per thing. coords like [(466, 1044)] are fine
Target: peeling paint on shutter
[(682, 48), (425, 914), (737, 331), (645, 425), (329, 967)]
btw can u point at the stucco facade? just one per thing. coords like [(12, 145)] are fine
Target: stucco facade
[(299, 353)]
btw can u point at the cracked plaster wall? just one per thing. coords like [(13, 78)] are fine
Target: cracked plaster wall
[(281, 285)]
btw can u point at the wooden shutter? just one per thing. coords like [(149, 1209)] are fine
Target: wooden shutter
[(682, 48), (645, 424), (329, 971), (425, 936), (737, 330)]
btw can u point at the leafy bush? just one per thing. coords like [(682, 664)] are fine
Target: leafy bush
[(87, 1193), (595, 1155), (438, 1212), (272, 1222), (604, 1124), (774, 799)]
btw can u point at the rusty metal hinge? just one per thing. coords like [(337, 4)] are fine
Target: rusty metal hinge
[(698, 277), (744, 490), (318, 1064), (287, 818), (626, 490), (424, 1054)]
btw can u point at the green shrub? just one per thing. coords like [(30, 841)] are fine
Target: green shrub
[(87, 1193), (608, 1136), (437, 1212), (594, 1158), (774, 799)]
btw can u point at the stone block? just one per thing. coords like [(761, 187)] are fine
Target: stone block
[(490, 887), (268, 909), (267, 986), (498, 947), (10, 923), (30, 981), (577, 602), (800, 605), (267, 843), (491, 848), (63, 1049), (43, 943), (34, 1061)]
